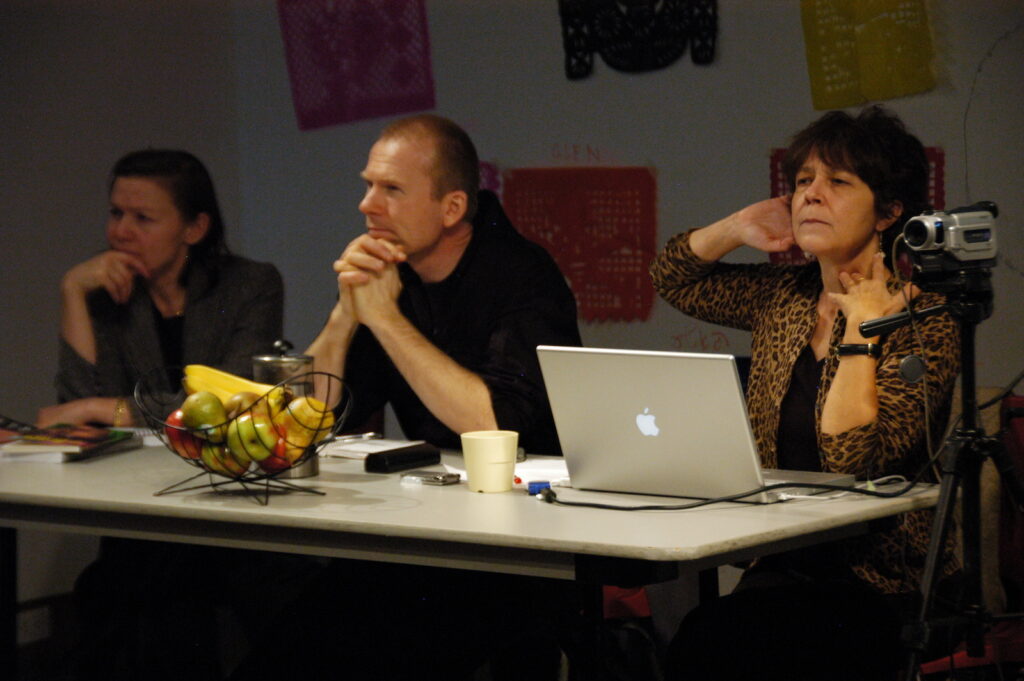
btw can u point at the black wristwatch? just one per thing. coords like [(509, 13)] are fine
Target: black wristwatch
[(869, 349)]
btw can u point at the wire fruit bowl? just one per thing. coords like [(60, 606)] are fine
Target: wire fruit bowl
[(252, 440)]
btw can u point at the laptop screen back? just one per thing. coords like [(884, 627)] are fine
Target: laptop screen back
[(650, 422)]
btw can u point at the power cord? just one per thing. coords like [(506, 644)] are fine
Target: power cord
[(871, 485), (549, 496)]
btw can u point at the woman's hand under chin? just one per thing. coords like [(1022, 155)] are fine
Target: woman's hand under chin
[(867, 297), (113, 271)]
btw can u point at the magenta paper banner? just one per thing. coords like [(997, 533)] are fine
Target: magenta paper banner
[(350, 60)]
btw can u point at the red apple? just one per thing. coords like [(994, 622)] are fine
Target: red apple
[(181, 440), (278, 461)]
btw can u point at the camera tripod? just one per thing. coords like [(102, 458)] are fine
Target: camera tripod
[(962, 457)]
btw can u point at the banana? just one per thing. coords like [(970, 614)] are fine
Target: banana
[(223, 384)]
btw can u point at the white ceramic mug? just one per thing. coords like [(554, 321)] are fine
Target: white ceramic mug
[(490, 459)]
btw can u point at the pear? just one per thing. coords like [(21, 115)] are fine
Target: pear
[(204, 414)]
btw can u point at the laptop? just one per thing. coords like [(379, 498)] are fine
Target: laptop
[(659, 423)]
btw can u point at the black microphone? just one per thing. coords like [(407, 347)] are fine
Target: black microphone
[(912, 369)]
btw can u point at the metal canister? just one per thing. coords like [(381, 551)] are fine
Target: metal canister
[(293, 368)]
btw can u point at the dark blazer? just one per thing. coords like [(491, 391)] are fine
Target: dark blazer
[(232, 313)]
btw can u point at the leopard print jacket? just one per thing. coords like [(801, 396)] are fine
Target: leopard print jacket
[(778, 305)]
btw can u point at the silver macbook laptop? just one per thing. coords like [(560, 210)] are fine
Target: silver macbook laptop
[(658, 423)]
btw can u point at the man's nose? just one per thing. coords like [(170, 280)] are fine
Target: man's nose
[(371, 202)]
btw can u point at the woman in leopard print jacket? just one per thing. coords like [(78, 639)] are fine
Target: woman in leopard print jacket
[(821, 395)]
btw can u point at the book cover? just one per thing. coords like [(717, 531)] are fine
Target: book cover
[(62, 442)]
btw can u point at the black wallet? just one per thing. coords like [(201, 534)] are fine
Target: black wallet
[(402, 458)]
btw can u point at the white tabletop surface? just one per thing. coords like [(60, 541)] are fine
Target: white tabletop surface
[(375, 516)]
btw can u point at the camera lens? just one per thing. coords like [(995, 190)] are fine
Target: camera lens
[(923, 232), (915, 233)]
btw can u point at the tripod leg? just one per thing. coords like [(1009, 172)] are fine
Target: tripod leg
[(973, 597), (916, 634)]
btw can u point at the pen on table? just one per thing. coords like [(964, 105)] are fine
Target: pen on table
[(347, 439), (356, 437)]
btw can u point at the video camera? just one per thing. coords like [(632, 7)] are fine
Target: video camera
[(942, 244)]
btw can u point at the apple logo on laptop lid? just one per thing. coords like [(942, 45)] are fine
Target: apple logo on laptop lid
[(645, 422)]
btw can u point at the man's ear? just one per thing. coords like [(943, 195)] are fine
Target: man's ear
[(453, 207), (197, 229), (892, 214)]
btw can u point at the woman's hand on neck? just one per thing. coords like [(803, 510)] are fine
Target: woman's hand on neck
[(858, 267)]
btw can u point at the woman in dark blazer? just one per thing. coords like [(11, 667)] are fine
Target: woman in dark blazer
[(166, 293)]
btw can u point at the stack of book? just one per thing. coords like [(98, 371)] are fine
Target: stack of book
[(61, 442)]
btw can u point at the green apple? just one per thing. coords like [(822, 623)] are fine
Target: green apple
[(204, 413), (218, 459), (251, 436), (211, 458), (235, 467)]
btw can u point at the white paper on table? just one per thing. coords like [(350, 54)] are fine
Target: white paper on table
[(551, 469)]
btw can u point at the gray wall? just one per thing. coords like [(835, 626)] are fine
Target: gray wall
[(706, 130), (82, 82)]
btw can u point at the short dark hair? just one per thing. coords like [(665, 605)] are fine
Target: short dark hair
[(456, 164), (190, 186), (877, 147)]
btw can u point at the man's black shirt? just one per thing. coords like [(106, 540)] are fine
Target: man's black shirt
[(504, 298)]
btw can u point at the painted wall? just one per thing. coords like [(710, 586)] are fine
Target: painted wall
[(83, 82), (707, 132)]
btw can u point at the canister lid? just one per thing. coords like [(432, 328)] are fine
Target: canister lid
[(283, 358)]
